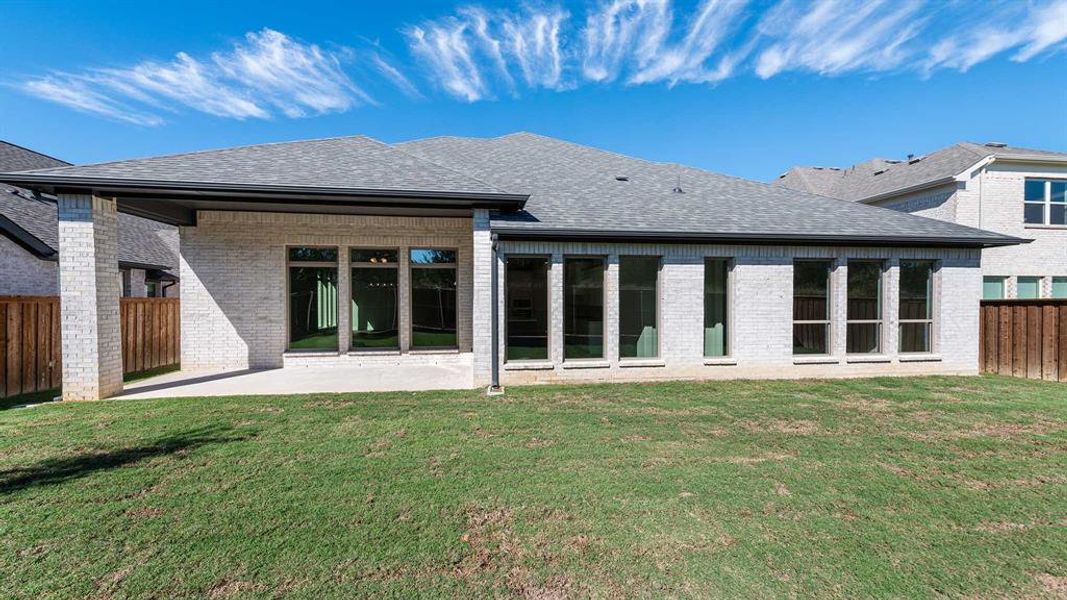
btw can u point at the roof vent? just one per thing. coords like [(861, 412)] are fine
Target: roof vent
[(996, 144), (879, 171), (911, 156), (913, 159), (621, 178), (678, 186)]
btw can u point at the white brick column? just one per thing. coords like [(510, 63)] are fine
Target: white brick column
[(839, 308), (344, 300), (611, 309), (89, 289), (556, 318), (891, 319), (482, 301)]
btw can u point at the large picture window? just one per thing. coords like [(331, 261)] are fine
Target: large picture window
[(583, 308), (864, 327), (526, 301), (1045, 201), (433, 298), (638, 296), (916, 305), (716, 274), (375, 307), (811, 306), (312, 298)]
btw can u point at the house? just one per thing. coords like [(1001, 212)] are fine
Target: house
[(514, 259), (29, 240), (1015, 191)]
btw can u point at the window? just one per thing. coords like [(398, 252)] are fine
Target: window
[(1028, 288), (864, 327), (993, 288), (433, 298), (716, 273), (526, 302), (811, 306), (916, 305), (375, 311), (638, 294), (312, 298), (151, 289), (583, 308), (1045, 202), (124, 282), (1059, 287)]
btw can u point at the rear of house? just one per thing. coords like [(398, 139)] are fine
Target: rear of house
[(1019, 192), (516, 259)]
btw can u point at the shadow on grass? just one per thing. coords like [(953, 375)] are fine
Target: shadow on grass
[(60, 470)]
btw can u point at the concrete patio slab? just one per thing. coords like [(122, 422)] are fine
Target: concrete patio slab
[(302, 380)]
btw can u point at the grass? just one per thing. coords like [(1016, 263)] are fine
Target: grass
[(880, 487)]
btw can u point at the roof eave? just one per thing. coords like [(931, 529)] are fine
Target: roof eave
[(48, 182), (677, 237), (910, 189), (25, 239)]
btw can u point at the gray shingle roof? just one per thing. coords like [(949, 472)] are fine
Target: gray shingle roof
[(880, 177), (574, 187), (141, 241), (356, 162)]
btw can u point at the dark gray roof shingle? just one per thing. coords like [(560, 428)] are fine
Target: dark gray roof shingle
[(879, 177), (574, 187)]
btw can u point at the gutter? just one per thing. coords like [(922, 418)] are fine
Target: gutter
[(674, 237)]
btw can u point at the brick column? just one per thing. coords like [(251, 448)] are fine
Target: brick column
[(482, 301), (344, 300), (555, 320), (839, 308), (891, 318), (611, 309), (89, 289)]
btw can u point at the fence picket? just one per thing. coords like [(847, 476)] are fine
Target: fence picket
[(1028, 340)]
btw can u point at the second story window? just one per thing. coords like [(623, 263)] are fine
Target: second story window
[(1045, 202)]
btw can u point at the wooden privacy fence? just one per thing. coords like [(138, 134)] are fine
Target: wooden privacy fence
[(31, 352), (1024, 338)]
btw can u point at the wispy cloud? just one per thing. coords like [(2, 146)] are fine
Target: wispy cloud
[(264, 74)]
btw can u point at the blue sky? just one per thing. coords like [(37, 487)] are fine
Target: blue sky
[(742, 87)]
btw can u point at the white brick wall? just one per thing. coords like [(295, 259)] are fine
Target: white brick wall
[(233, 272), (89, 291), (23, 274), (760, 315)]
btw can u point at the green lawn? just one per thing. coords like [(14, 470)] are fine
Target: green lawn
[(880, 487)]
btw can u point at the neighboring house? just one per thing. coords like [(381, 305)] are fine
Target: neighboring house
[(29, 230), (350, 252), (1014, 191)]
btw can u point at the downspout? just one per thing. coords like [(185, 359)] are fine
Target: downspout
[(494, 352)]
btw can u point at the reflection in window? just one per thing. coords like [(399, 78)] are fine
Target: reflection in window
[(312, 298), (716, 271), (583, 308), (526, 299), (638, 333), (1059, 287), (1045, 201), (374, 311), (811, 306), (1028, 288), (916, 305), (864, 327), (993, 288), (433, 298)]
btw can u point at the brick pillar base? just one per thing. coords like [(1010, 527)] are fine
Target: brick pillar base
[(89, 289)]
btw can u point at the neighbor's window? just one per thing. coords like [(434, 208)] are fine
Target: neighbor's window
[(1027, 288), (638, 293), (526, 301), (583, 308), (433, 298), (864, 327), (916, 305), (1045, 202), (312, 298), (993, 288), (151, 289), (1059, 287), (716, 274), (375, 313), (811, 306)]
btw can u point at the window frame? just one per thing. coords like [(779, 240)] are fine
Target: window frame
[(934, 303), (880, 321), (352, 265), (829, 321), (603, 306), (728, 298), (1046, 202), (288, 293), (659, 308), (454, 266), (548, 303)]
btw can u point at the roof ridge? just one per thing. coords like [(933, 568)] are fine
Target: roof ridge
[(32, 151), (207, 151), (445, 167)]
